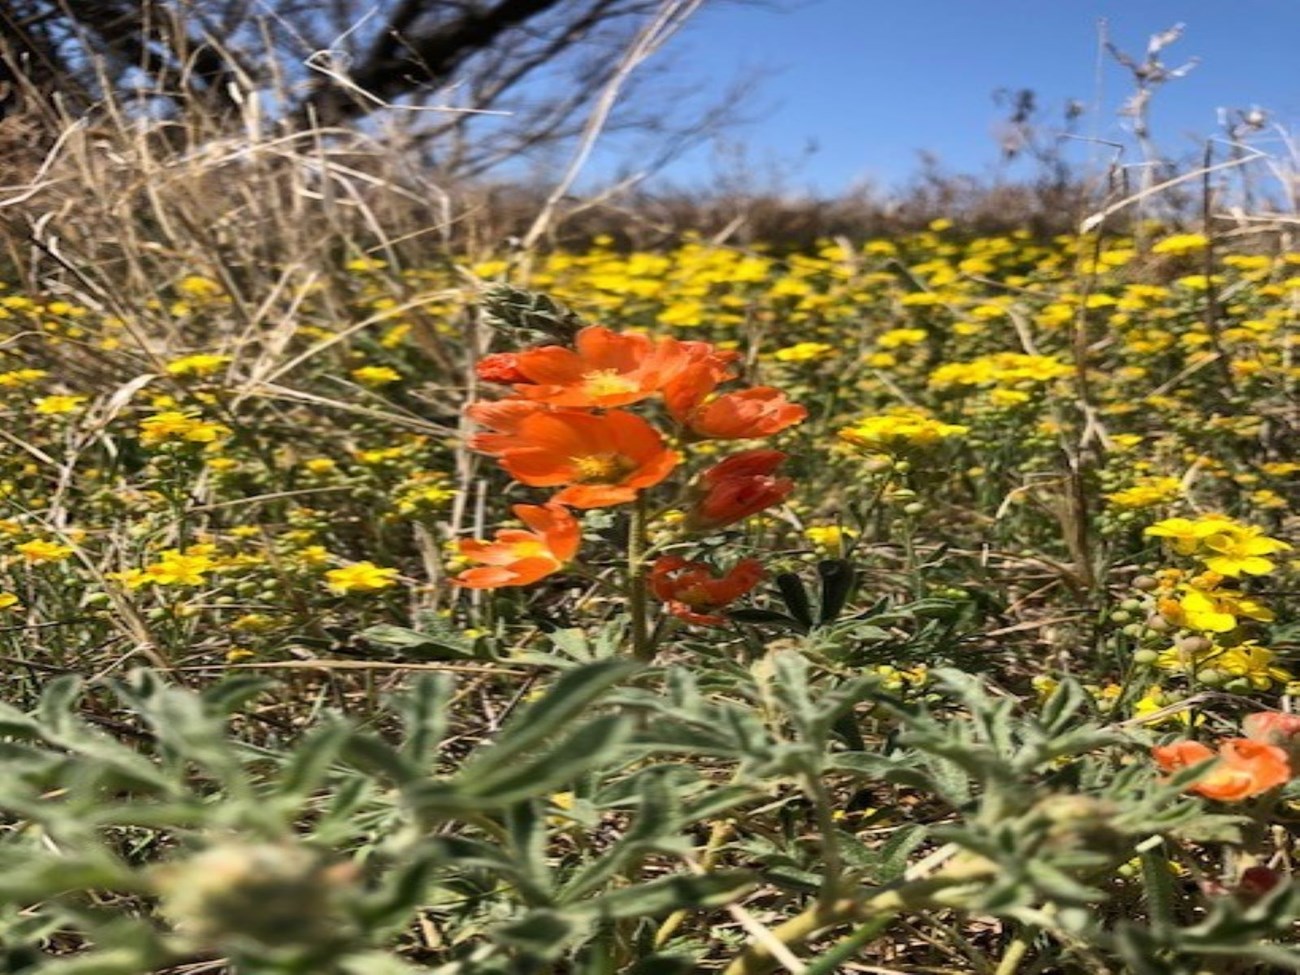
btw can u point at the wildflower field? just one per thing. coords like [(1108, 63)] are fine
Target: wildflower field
[(922, 604)]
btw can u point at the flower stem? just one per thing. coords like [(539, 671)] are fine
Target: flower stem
[(638, 609)]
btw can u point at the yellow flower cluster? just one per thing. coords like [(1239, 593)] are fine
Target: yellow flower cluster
[(1000, 369), (900, 431), (176, 427), (1147, 492), (1223, 545)]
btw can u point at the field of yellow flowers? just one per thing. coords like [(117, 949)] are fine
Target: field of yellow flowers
[(922, 604)]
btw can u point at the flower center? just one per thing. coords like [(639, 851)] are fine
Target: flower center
[(531, 549), (608, 382), (602, 468)]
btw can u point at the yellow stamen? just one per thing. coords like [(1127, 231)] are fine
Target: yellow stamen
[(601, 468), (608, 382)]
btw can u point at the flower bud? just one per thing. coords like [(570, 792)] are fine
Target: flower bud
[(501, 367), (1256, 882), (270, 895), (738, 487)]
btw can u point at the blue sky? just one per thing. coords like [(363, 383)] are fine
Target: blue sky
[(869, 83)]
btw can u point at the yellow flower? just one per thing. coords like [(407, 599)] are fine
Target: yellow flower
[(1242, 549), (1181, 244), (54, 405), (1246, 660), (1188, 535), (311, 555), (38, 551), (1218, 610), (896, 338), (177, 568), (376, 375), (898, 431), (1000, 369), (22, 377), (1147, 493), (197, 286), (360, 577), (9, 601), (201, 364), (320, 465), (829, 538), (423, 491), (804, 352), (174, 426)]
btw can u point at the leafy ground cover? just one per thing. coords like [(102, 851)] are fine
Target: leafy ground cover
[(924, 604)]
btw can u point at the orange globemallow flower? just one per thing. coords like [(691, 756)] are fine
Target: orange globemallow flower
[(604, 369), (694, 593), (501, 368), (1275, 728), (1244, 768), (605, 459), (756, 412), (738, 487), (519, 558)]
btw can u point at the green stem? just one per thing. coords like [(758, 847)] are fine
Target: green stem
[(638, 608), (868, 907), (1016, 951), (830, 962)]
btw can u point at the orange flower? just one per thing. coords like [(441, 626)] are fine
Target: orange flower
[(501, 368), (706, 366), (605, 369), (756, 412), (605, 459), (693, 592), (1244, 768), (738, 487), (519, 558), (1275, 728), (502, 418)]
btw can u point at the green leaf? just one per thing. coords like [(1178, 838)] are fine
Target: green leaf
[(424, 708), (527, 835), (370, 754), (309, 764), (672, 893), (415, 645), (585, 748), (572, 694), (1158, 882), (894, 853), (756, 616), (542, 934)]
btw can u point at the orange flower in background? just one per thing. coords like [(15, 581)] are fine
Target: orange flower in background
[(706, 367), (742, 485), (501, 368), (694, 593), (1244, 768), (605, 459), (520, 558), (604, 369), (1275, 728), (756, 412)]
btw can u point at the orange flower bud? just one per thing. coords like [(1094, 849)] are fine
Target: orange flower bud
[(501, 368), (693, 593), (738, 487)]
